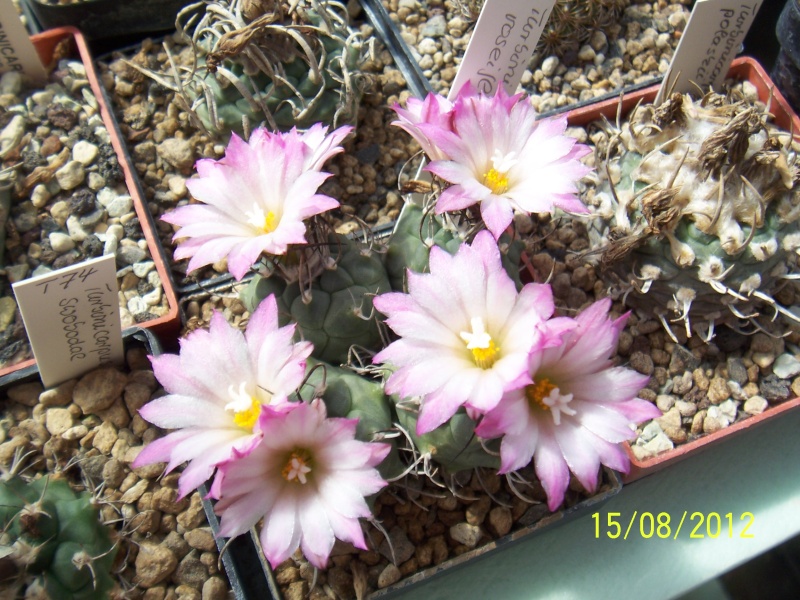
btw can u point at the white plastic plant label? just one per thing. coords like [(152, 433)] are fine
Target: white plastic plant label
[(72, 319), (17, 52), (712, 37), (503, 41)]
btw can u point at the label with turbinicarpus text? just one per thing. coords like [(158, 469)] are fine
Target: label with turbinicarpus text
[(711, 40), (502, 43), (72, 319)]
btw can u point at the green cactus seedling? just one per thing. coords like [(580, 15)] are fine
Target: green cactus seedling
[(355, 396), (453, 445), (54, 538), (417, 231)]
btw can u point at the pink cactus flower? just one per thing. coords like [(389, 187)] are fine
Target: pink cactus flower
[(494, 152), (217, 387), (465, 332), (255, 198), (307, 478), (576, 410), (433, 110)]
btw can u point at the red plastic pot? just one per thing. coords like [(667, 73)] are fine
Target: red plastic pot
[(47, 44), (743, 68)]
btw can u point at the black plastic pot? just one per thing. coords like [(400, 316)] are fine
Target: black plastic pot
[(117, 22), (786, 73), (240, 557)]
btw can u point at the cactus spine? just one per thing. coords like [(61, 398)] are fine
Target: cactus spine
[(569, 25)]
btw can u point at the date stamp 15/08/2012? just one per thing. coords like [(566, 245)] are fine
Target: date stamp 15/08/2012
[(662, 525)]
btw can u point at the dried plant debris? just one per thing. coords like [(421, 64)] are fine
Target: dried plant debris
[(698, 214)]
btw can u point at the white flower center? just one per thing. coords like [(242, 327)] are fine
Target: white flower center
[(503, 163), (296, 467), (480, 343), (266, 222), (544, 395), (496, 178), (558, 404)]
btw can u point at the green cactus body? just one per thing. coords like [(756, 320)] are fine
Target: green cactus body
[(703, 222), (417, 232), (336, 312), (414, 235), (55, 534), (288, 91), (453, 445), (353, 396)]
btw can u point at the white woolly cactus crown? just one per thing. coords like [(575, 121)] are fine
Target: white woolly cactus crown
[(698, 211)]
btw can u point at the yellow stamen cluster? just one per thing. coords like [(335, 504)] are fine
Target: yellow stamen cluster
[(297, 467), (496, 181), (270, 222), (265, 222), (538, 391), (246, 419), (486, 357), (480, 343)]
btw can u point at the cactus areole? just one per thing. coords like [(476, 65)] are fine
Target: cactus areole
[(697, 217)]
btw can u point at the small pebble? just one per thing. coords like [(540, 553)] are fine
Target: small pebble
[(755, 405), (71, 175), (786, 366)]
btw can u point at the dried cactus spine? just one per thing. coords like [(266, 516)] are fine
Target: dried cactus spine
[(570, 23)]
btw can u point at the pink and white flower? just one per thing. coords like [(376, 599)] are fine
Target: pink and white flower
[(465, 332), (217, 387), (433, 110), (255, 198), (576, 410), (494, 151), (308, 479)]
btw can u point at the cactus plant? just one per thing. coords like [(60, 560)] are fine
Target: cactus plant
[(417, 230), (414, 235), (335, 311), (353, 395), (465, 338), (453, 445), (53, 535), (699, 212), (350, 394), (263, 61)]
